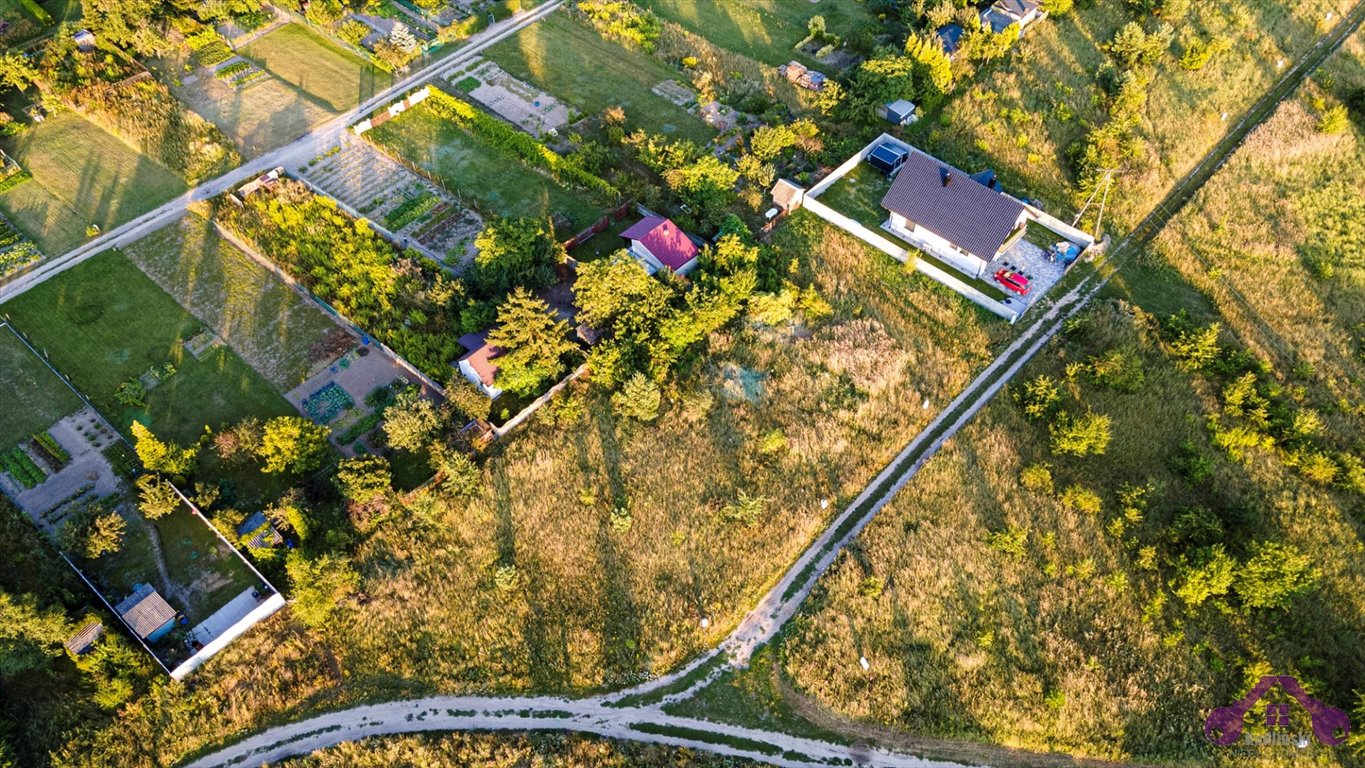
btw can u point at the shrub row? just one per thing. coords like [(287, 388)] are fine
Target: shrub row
[(14, 180), (506, 138)]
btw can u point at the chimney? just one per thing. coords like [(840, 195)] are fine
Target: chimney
[(991, 183), (947, 177)]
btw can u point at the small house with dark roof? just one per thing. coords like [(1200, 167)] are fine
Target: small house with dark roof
[(899, 112), (951, 215), (85, 638), (887, 158), (950, 37), (1003, 13), (656, 242), (257, 532), (478, 363), (147, 613)]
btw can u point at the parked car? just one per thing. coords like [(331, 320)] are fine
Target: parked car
[(1012, 281)]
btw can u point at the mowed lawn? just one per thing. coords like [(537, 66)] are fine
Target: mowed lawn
[(271, 326), (103, 322), (34, 396), (265, 115), (332, 78), (82, 175), (576, 65), (765, 30), (496, 183)]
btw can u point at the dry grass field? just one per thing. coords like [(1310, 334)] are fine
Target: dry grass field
[(1021, 117), (540, 583)]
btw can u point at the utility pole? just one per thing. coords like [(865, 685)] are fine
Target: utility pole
[(1109, 174)]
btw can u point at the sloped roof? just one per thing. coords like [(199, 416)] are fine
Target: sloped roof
[(1016, 8), (952, 205), (265, 534), (145, 610), (481, 356), (85, 636), (670, 245), (951, 36), (786, 193)]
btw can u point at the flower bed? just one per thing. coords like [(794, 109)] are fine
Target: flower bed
[(19, 465), (324, 405), (410, 210), (47, 448), (16, 250)]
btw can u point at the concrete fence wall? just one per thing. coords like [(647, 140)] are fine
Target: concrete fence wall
[(848, 165), (536, 404), (854, 228), (975, 296)]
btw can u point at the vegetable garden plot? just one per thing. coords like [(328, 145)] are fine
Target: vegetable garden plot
[(394, 197)]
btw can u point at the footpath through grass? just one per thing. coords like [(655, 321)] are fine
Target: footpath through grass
[(335, 79), (82, 175), (103, 322), (575, 64)]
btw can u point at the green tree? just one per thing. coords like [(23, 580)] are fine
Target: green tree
[(1057, 7), (1275, 575), (638, 399), (30, 635), (92, 532), (467, 401), (410, 421), (1083, 435), (159, 456), (1133, 46), (515, 252), (156, 497), (320, 584), (618, 287), (135, 24), (460, 476), (289, 511), (292, 444), (1210, 575), (325, 12), (365, 479), (1039, 397), (533, 340), (1334, 119), (16, 70)]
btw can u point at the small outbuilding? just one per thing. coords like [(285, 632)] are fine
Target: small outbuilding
[(788, 195), (950, 37), (478, 363), (899, 112), (85, 638), (258, 533), (656, 242), (887, 158), (1003, 13), (147, 613), (85, 40)]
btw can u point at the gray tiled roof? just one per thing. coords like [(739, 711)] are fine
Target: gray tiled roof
[(964, 212)]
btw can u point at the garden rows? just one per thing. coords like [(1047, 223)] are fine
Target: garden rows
[(392, 196), (16, 250), (239, 74)]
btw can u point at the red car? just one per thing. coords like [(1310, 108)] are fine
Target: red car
[(1013, 281)]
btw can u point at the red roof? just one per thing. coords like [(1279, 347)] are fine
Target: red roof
[(481, 355), (670, 245)]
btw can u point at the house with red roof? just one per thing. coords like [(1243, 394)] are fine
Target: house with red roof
[(478, 363), (657, 243)]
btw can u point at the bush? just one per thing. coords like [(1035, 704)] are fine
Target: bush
[(320, 584), (1039, 397), (745, 510), (292, 444), (1037, 478), (1083, 435), (1275, 575), (1334, 119), (365, 480), (1211, 575), (638, 399), (1082, 499)]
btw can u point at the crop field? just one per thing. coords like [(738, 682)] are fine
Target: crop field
[(1020, 116), (324, 74), (34, 396), (767, 30), (103, 322), (273, 328), (266, 114), (82, 175), (580, 68), (474, 171)]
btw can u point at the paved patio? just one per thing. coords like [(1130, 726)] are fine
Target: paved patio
[(1031, 261)]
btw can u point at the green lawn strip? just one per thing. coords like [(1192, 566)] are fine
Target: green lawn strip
[(265, 321), (82, 175), (677, 686), (767, 30), (696, 734), (496, 183), (576, 65), (191, 549), (34, 396), (336, 79), (103, 322)]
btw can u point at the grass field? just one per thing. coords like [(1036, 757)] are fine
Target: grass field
[(34, 396), (766, 30), (496, 183), (326, 75), (103, 322), (576, 65), (81, 176), (267, 114), (1020, 117), (265, 321)]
